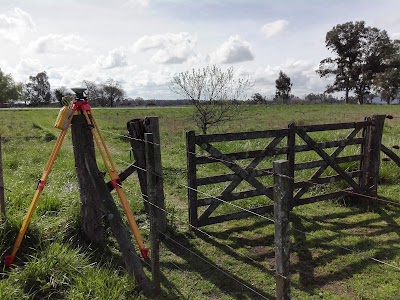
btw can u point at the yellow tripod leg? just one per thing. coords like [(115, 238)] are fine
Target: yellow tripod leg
[(105, 154), (9, 259)]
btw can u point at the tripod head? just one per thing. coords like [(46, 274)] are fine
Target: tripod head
[(80, 94)]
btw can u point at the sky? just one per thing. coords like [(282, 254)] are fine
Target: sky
[(144, 43)]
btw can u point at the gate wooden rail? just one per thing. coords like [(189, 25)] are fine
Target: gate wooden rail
[(356, 169)]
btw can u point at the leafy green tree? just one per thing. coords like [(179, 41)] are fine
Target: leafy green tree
[(361, 54), (258, 98), (387, 83), (9, 90), (283, 87), (39, 89)]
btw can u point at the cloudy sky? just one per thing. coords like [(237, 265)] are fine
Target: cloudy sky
[(143, 43)]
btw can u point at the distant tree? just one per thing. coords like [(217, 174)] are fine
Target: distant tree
[(387, 83), (107, 94), (212, 91), (258, 98), (113, 92), (39, 89), (361, 54), (60, 92), (283, 87), (9, 90)]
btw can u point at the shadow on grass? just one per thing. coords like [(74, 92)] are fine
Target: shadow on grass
[(222, 278)]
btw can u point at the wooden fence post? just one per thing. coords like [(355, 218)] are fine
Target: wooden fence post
[(2, 199), (136, 130), (151, 125), (371, 155), (191, 177), (90, 214), (154, 210), (282, 198)]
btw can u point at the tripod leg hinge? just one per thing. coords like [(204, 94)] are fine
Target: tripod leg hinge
[(40, 185), (9, 260), (116, 183), (145, 253)]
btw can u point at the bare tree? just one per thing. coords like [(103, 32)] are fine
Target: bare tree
[(212, 91)]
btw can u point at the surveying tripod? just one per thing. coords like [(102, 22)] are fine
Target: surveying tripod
[(63, 122)]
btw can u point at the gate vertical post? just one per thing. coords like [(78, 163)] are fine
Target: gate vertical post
[(191, 177), (282, 197), (151, 125), (2, 199), (154, 210), (371, 155)]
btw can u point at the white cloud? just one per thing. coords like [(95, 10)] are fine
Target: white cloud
[(139, 3), (171, 48), (233, 50), (115, 58), (13, 25), (57, 44), (271, 29), (27, 67)]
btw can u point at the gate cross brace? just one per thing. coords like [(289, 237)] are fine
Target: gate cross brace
[(240, 173), (330, 161), (321, 170)]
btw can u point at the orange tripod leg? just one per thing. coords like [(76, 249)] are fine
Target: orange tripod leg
[(9, 259), (105, 154)]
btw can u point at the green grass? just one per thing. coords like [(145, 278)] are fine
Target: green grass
[(53, 262)]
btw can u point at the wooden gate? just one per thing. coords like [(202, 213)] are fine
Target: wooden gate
[(351, 161)]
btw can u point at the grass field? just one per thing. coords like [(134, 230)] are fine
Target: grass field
[(233, 260)]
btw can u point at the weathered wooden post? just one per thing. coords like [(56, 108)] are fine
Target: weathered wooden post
[(191, 177), (90, 214), (371, 155), (136, 131), (2, 199), (151, 125), (155, 217), (282, 196)]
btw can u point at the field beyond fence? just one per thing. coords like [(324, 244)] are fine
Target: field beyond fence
[(340, 250)]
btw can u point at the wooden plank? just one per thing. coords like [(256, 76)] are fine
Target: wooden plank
[(390, 154), (283, 194), (229, 177), (123, 175), (333, 126), (237, 215), (325, 180), (318, 198), (230, 197), (191, 177), (237, 136), (243, 155), (331, 161), (332, 144), (322, 163)]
